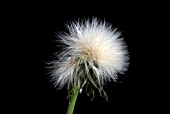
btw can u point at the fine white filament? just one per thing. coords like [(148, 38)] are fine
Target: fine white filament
[(95, 42)]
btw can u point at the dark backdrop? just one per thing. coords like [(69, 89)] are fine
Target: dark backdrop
[(29, 89)]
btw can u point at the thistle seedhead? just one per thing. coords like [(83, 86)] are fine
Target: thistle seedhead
[(93, 54)]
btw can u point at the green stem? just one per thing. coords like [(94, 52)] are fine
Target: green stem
[(72, 101)]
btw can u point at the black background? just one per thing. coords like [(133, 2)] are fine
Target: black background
[(33, 42)]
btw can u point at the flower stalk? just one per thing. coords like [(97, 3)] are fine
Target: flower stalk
[(73, 99)]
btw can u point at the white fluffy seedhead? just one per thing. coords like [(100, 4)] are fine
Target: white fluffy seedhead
[(93, 43)]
